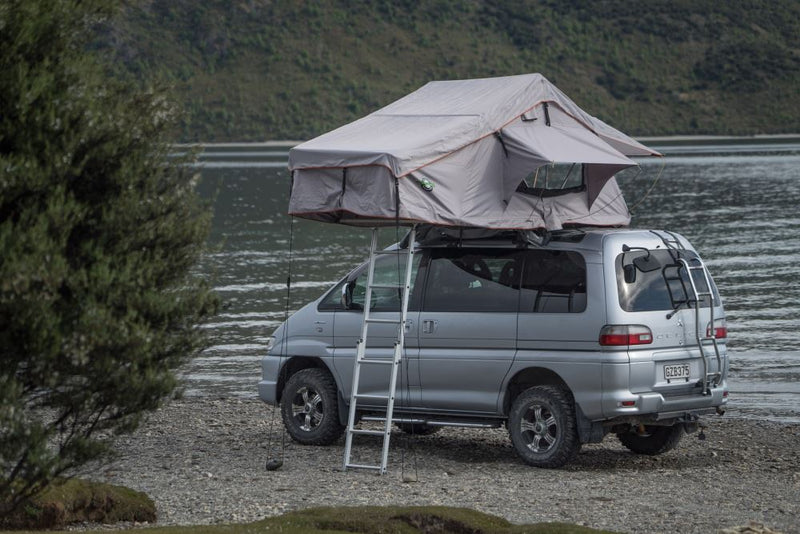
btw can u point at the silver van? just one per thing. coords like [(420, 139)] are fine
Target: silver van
[(562, 339)]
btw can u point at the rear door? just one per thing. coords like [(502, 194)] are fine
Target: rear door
[(467, 330), (662, 299), (562, 311)]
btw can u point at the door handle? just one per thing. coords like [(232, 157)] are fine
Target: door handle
[(429, 326), (409, 325)]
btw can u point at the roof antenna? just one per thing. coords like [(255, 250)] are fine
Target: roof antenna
[(274, 463)]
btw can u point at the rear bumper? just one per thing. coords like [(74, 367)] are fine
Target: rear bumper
[(655, 406)]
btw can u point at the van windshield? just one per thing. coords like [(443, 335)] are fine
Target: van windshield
[(665, 288)]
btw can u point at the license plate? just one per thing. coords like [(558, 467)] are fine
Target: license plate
[(672, 372)]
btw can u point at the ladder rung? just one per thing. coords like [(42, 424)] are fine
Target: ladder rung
[(396, 251), (364, 396), (382, 321), (362, 466), (367, 432), (376, 362), (387, 286)]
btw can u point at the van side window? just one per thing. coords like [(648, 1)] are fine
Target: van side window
[(553, 281), (389, 270), (333, 300), (472, 280)]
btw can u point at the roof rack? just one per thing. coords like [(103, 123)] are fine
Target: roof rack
[(430, 235)]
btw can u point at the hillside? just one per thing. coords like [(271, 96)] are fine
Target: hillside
[(251, 70)]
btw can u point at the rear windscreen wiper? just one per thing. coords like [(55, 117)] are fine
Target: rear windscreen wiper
[(676, 308)]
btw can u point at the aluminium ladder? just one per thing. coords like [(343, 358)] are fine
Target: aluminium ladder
[(363, 358), (705, 337)]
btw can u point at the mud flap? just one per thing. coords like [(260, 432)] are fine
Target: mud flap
[(588, 431), (344, 410)]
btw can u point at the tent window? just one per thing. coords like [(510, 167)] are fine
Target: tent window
[(556, 176), (554, 179)]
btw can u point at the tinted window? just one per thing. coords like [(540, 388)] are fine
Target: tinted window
[(472, 280), (333, 300), (664, 288), (553, 281), (389, 270)]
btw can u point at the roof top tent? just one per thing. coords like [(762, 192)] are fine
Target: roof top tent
[(468, 153), (474, 154)]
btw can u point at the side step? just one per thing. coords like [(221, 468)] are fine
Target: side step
[(434, 422)]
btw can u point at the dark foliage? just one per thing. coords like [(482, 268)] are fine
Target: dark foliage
[(259, 70), (747, 65), (99, 229)]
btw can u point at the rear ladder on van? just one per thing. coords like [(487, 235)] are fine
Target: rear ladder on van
[(705, 336), (362, 359)]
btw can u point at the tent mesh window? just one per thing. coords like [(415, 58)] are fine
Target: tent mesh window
[(554, 179)]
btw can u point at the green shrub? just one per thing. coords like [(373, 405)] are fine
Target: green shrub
[(99, 229)]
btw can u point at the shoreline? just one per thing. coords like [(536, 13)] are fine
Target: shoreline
[(702, 139), (656, 139), (202, 461)]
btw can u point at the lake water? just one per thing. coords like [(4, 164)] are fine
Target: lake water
[(739, 204)]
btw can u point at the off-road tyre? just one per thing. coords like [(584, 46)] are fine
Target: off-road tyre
[(543, 427), (418, 429), (310, 408), (655, 439)]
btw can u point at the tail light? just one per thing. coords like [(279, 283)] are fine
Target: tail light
[(624, 335), (720, 330)]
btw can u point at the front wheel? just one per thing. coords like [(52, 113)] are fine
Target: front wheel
[(652, 440), (310, 409), (542, 426)]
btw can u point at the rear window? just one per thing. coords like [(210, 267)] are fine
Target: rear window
[(665, 286)]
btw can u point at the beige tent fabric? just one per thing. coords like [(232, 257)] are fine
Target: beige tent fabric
[(453, 153)]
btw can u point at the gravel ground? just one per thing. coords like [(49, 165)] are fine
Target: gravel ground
[(202, 461)]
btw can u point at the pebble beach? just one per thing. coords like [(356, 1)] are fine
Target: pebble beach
[(202, 460)]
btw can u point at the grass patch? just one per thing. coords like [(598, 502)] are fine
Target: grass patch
[(75, 501), (381, 520), (405, 520)]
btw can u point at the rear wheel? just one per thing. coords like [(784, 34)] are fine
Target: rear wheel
[(542, 426), (310, 409), (652, 440)]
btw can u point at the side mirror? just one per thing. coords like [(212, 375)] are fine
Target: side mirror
[(347, 295), (647, 263), (629, 272)]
